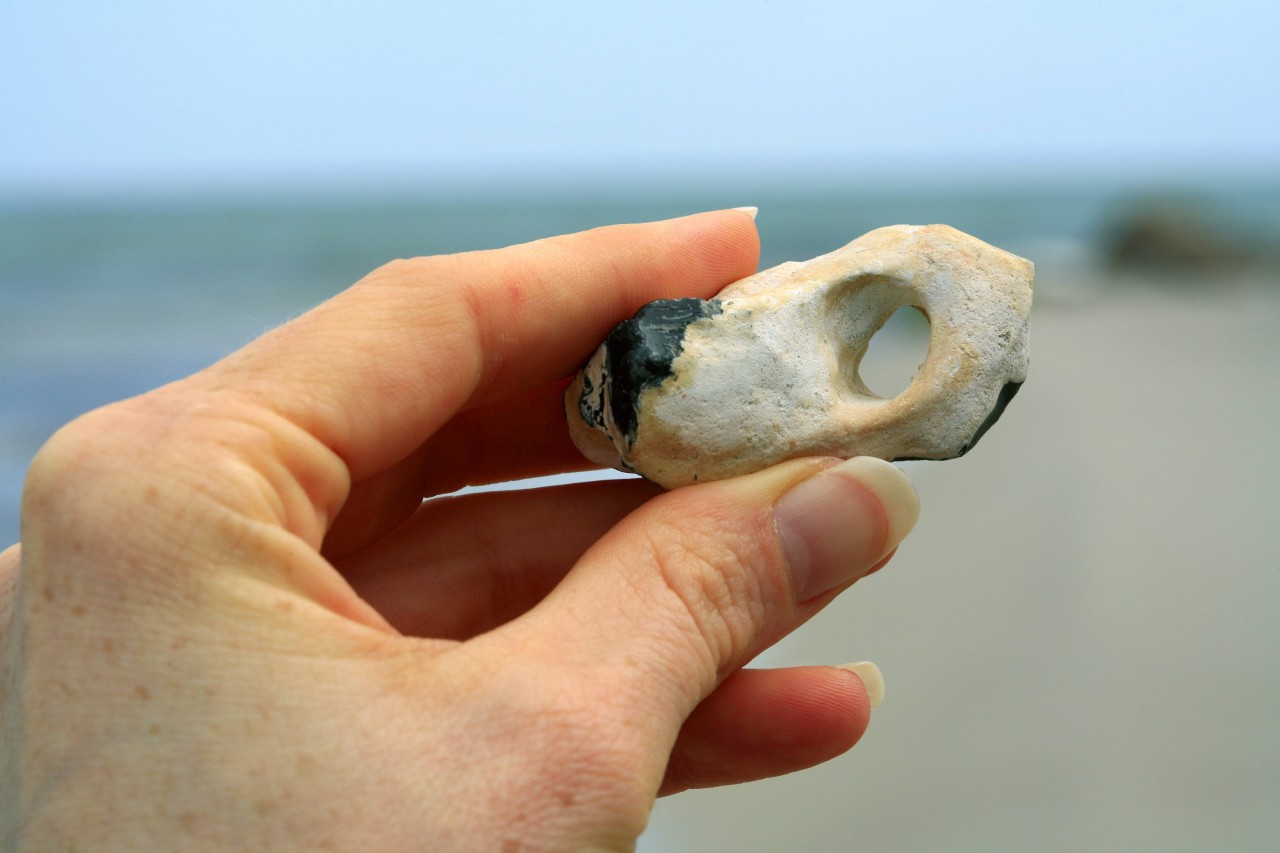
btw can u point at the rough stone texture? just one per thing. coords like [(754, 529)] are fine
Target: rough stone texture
[(689, 390)]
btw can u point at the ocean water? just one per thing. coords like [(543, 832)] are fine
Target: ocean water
[(100, 300)]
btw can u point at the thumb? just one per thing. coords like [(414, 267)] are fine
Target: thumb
[(698, 581)]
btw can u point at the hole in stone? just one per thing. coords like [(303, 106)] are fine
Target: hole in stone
[(895, 354)]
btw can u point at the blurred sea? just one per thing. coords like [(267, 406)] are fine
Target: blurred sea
[(100, 300)]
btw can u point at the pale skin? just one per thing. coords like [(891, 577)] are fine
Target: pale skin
[(232, 622)]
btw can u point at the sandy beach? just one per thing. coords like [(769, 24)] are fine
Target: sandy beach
[(1081, 639)]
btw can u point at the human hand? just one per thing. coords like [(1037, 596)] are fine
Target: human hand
[(237, 626)]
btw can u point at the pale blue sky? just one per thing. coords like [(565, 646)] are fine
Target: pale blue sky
[(131, 94)]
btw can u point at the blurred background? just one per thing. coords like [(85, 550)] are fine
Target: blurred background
[(1081, 641)]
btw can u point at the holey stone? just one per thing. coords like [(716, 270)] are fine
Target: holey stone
[(690, 390)]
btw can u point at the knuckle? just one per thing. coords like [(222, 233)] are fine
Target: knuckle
[(140, 461), (400, 270), (415, 272), (79, 454), (82, 488)]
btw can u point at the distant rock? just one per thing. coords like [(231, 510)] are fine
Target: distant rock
[(1171, 237)]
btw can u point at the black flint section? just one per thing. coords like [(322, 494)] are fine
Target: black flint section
[(1002, 401), (640, 352), (591, 404)]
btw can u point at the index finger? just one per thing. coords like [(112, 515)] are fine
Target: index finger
[(379, 368)]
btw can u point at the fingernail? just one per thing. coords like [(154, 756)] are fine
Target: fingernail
[(872, 679), (836, 525), (749, 211)]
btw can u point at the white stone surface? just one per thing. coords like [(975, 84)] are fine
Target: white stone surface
[(775, 376)]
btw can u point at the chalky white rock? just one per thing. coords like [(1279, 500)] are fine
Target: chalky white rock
[(689, 390)]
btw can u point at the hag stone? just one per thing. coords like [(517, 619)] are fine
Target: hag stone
[(689, 390)]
